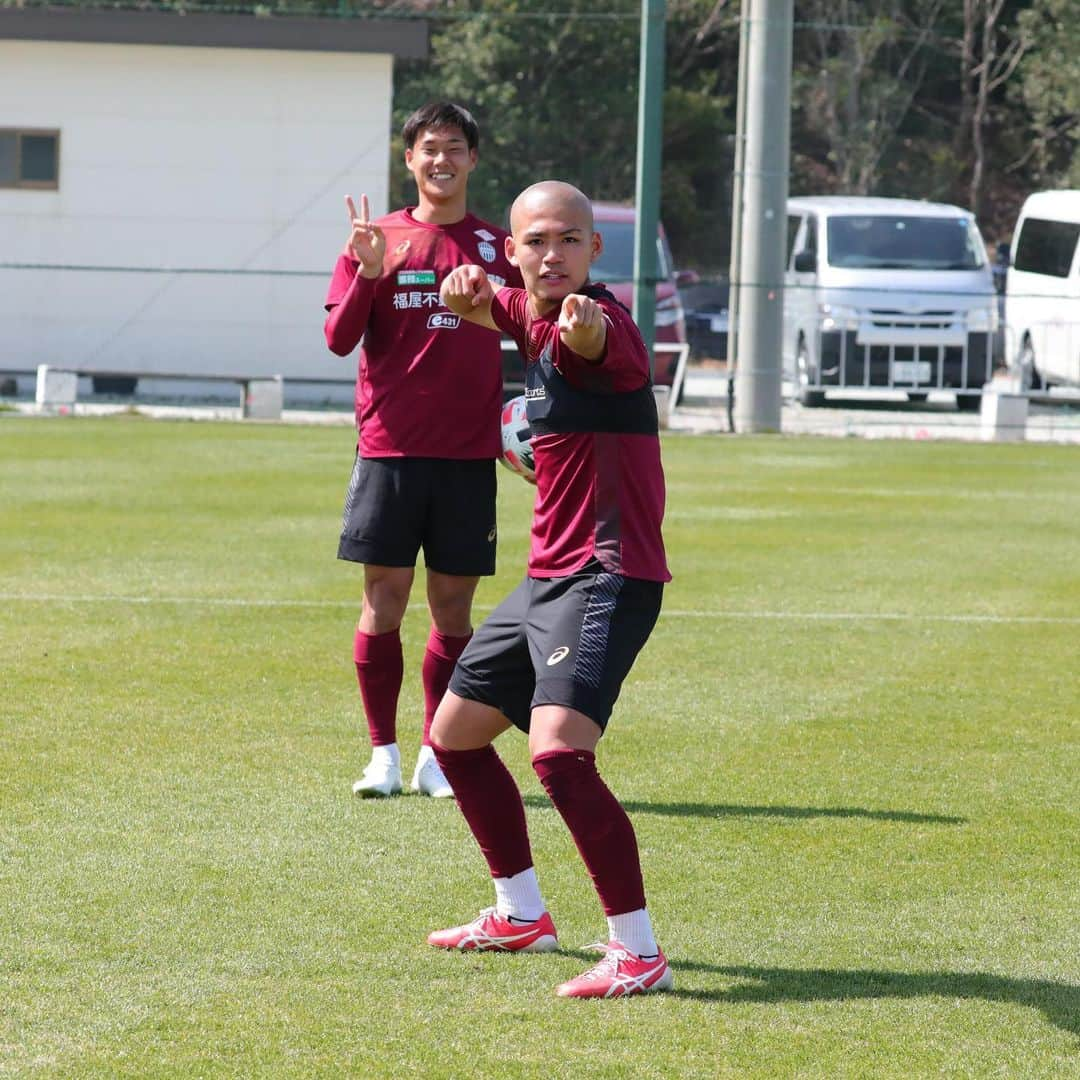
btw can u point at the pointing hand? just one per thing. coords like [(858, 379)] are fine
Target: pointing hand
[(466, 288), (582, 326)]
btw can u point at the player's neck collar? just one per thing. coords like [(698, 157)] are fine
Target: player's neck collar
[(428, 213)]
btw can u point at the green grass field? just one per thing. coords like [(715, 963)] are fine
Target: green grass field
[(851, 752)]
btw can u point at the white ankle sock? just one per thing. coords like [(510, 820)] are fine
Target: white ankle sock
[(386, 755), (519, 896), (425, 754), (634, 930)]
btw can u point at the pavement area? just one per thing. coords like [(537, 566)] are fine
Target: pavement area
[(1054, 417), (703, 410)]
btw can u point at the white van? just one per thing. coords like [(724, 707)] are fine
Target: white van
[(1042, 291), (888, 294)]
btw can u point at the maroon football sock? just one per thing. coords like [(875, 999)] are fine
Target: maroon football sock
[(598, 824), (379, 668), (439, 659), (492, 806)]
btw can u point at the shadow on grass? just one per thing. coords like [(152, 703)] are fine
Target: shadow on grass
[(1058, 1002), (721, 810)]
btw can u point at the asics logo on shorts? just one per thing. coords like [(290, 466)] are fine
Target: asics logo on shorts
[(558, 655)]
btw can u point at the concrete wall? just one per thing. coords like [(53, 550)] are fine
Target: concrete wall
[(186, 157)]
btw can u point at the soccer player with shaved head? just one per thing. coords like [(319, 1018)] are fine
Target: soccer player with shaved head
[(550, 660), (428, 395)]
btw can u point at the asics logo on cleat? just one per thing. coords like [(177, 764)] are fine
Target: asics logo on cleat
[(619, 973), (492, 932)]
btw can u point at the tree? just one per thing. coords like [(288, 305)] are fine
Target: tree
[(699, 123), (860, 67), (1050, 88), (989, 55), (556, 96), (891, 97)]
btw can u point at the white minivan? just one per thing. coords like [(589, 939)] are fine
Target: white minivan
[(889, 294), (1042, 291)]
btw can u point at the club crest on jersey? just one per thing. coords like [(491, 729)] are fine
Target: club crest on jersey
[(487, 251), (443, 320), (416, 277), (484, 234)]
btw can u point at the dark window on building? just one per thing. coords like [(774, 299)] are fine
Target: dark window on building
[(29, 159), (1046, 247)]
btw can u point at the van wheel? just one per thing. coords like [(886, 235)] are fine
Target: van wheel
[(917, 399), (968, 402), (1025, 368), (809, 398)]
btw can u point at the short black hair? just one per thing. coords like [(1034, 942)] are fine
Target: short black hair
[(437, 115)]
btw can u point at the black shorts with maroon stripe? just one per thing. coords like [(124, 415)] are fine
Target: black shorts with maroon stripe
[(559, 641), (396, 506)]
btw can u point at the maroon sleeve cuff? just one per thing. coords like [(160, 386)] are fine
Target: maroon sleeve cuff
[(349, 302)]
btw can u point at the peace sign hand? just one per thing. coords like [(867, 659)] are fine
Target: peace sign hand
[(366, 244)]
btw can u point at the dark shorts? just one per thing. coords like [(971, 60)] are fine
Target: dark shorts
[(561, 641), (396, 506)]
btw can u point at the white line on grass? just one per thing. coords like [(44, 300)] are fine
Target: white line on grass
[(678, 613), (878, 616)]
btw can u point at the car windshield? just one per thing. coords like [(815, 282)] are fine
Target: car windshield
[(616, 262), (880, 242)]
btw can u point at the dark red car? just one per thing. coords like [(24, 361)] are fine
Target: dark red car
[(615, 268)]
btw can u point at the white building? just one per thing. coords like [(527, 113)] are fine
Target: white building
[(201, 162)]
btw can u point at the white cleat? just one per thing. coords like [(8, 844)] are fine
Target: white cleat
[(428, 779), (380, 780)]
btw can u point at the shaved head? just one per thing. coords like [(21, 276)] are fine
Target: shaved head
[(552, 242), (551, 198)]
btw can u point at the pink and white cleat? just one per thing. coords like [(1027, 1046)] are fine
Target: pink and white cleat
[(619, 973), (492, 932)]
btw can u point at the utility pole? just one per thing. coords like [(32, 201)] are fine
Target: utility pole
[(734, 262), (647, 186), (763, 215)]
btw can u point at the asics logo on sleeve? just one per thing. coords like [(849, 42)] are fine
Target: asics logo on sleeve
[(558, 656)]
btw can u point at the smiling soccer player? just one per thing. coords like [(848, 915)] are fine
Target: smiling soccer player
[(428, 394)]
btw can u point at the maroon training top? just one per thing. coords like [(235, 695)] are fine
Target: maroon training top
[(429, 383), (598, 493)]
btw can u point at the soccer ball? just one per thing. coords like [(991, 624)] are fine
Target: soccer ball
[(517, 452)]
